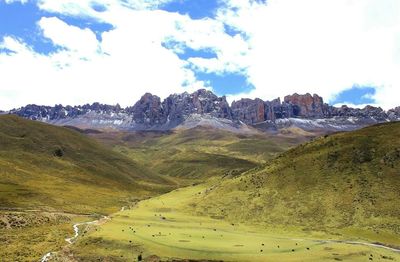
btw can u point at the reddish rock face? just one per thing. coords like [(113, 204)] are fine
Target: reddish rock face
[(260, 111), (306, 105), (249, 111)]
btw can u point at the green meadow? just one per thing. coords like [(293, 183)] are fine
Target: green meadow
[(161, 228)]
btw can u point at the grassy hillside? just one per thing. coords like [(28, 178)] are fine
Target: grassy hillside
[(201, 152), (43, 165), (50, 176), (346, 183)]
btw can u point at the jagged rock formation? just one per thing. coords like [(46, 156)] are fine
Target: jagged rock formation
[(249, 111), (150, 113), (179, 106), (394, 114), (256, 111), (306, 106), (35, 112)]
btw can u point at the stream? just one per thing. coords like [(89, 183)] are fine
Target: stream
[(72, 239)]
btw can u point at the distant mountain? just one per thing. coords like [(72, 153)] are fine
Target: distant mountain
[(202, 107)]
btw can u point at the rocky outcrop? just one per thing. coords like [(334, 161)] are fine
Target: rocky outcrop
[(150, 113), (179, 106), (371, 112), (249, 111), (306, 106), (253, 111), (394, 114), (276, 110), (42, 113)]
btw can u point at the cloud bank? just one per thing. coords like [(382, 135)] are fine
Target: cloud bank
[(280, 46)]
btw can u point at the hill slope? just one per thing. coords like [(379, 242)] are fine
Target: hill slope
[(200, 152), (43, 165), (346, 183)]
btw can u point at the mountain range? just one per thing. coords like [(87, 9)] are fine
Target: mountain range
[(308, 112)]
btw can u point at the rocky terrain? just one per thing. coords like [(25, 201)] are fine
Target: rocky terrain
[(202, 107)]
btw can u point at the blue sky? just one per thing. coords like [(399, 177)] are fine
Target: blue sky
[(112, 51), (20, 20), (358, 95), (196, 9)]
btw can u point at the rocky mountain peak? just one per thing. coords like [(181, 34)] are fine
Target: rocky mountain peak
[(306, 105), (249, 111), (204, 93), (179, 106), (394, 113), (148, 111), (151, 113)]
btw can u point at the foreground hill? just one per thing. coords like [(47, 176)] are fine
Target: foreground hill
[(52, 177), (346, 183), (43, 165)]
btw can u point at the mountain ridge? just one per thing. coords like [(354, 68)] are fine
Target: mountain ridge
[(150, 113)]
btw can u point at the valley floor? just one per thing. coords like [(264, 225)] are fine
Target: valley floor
[(161, 228)]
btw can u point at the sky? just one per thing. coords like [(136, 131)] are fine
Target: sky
[(113, 51)]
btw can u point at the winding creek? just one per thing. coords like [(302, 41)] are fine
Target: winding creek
[(71, 240)]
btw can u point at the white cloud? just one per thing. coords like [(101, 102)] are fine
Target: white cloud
[(15, 1), (75, 39), (285, 46), (319, 46), (128, 62), (209, 34)]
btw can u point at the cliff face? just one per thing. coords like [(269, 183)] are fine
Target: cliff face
[(249, 111), (150, 113), (306, 105), (179, 106), (394, 114)]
